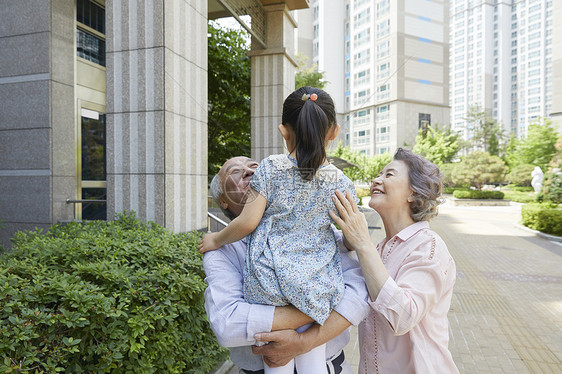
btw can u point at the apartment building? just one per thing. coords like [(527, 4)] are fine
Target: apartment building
[(501, 60), (387, 64)]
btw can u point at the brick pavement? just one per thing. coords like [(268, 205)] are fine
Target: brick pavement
[(506, 312)]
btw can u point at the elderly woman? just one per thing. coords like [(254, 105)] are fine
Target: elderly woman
[(409, 274)]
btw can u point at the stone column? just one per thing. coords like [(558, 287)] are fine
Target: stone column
[(37, 128), (157, 111), (273, 79)]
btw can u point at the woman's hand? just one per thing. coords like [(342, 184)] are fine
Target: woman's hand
[(208, 243), (351, 221)]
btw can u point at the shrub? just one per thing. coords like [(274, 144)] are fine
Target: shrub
[(477, 169), (546, 218), (121, 297), (520, 197), (477, 194), (520, 175), (450, 190), (512, 187), (551, 188)]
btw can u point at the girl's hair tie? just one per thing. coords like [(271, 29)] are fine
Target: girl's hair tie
[(312, 97)]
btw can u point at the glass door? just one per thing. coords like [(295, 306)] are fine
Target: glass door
[(93, 184)]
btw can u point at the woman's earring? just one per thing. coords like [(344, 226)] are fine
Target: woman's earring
[(410, 199)]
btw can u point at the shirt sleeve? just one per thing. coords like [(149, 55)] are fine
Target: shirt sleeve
[(353, 306), (259, 181), (418, 286), (347, 184), (232, 319)]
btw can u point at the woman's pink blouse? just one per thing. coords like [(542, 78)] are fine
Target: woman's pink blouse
[(407, 330)]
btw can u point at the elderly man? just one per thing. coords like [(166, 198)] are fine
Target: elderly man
[(238, 324)]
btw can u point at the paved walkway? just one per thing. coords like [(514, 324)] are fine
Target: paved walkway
[(506, 312)]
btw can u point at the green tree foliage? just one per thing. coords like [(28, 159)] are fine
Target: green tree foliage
[(438, 146), (479, 168), (551, 188), (229, 96), (520, 175), (556, 162), (308, 75), (487, 132), (368, 167), (538, 148), (447, 172)]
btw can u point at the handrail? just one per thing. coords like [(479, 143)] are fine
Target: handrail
[(70, 201), (217, 219)]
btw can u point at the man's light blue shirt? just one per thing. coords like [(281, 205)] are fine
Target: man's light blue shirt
[(235, 322)]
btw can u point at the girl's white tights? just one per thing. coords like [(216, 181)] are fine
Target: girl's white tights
[(313, 362)]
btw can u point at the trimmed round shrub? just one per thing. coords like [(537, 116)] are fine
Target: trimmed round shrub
[(546, 218), (521, 175), (122, 296), (477, 194)]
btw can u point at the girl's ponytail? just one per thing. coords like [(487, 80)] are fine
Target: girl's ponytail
[(311, 114)]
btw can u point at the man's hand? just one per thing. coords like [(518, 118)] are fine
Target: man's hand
[(284, 345), (208, 243)]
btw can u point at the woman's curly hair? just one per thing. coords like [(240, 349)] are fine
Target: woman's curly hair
[(425, 181)]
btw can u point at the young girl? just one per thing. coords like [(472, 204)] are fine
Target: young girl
[(292, 256)]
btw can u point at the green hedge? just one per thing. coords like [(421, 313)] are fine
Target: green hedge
[(450, 190), (120, 297), (477, 194), (520, 197), (546, 218)]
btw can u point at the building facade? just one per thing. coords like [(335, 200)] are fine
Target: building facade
[(502, 62), (104, 106), (392, 78)]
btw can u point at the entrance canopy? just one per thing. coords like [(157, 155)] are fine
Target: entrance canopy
[(253, 8)]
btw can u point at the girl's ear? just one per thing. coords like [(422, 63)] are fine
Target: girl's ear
[(285, 132), (334, 132)]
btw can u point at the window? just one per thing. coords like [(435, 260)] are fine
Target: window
[(383, 112), (383, 134), (93, 165), (424, 121), (90, 31)]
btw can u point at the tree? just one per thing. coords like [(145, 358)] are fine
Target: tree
[(538, 148), (308, 76), (229, 95), (521, 175), (487, 133), (367, 167), (438, 146), (479, 168), (556, 162)]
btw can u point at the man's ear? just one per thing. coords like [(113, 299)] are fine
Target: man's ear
[(334, 132), (222, 202)]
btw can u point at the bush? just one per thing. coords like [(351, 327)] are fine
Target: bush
[(546, 218), (512, 187), (520, 175), (551, 189), (520, 197), (450, 190), (121, 297), (477, 194)]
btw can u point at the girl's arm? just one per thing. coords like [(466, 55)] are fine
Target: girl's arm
[(240, 227)]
